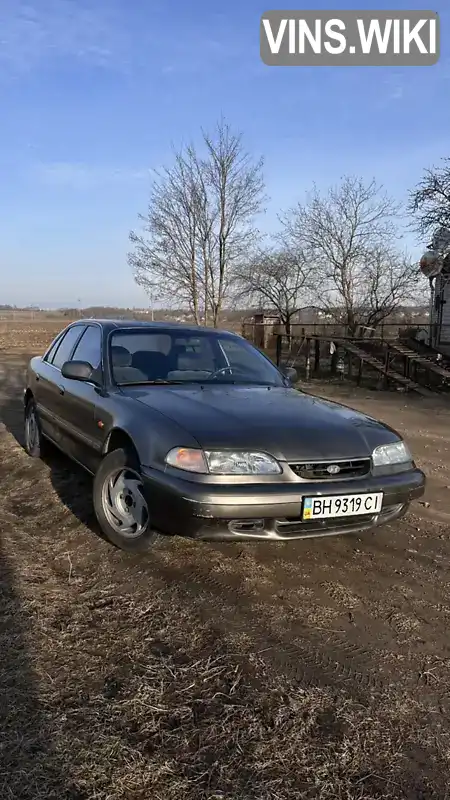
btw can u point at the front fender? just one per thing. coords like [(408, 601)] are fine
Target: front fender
[(153, 434)]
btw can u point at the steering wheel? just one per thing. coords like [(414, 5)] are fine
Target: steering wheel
[(220, 371), (235, 370)]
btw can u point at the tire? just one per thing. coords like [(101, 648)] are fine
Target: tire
[(35, 444), (121, 510)]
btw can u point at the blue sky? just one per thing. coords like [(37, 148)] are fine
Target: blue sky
[(94, 93)]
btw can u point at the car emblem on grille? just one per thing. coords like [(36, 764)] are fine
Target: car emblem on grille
[(333, 469)]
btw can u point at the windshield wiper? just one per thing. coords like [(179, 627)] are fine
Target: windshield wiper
[(202, 381), (158, 381), (236, 382)]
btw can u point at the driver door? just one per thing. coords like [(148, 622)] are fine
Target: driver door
[(49, 383), (83, 438)]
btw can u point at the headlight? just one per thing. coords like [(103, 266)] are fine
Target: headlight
[(223, 462), (391, 454)]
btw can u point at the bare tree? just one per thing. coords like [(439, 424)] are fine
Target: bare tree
[(349, 235), (430, 200), (391, 280), (200, 224), (235, 189), (277, 279), (165, 258)]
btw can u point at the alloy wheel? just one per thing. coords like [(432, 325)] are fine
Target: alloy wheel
[(123, 503)]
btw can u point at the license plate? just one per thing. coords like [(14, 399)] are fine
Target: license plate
[(342, 505)]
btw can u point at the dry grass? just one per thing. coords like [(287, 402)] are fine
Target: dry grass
[(115, 694)]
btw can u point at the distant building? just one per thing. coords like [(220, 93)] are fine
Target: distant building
[(263, 328), (309, 315)]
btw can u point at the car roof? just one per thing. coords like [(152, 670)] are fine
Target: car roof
[(117, 324)]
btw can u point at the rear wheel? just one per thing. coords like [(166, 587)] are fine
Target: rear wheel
[(34, 441), (121, 508)]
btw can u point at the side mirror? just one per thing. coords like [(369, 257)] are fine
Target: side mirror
[(290, 373), (77, 370)]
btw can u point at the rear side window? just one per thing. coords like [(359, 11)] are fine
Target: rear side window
[(89, 348), (66, 346)]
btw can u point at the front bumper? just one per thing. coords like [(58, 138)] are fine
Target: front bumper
[(227, 512)]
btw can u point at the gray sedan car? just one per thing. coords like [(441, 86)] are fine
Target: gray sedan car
[(193, 431)]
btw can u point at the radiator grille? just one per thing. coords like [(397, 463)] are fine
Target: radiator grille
[(332, 470)]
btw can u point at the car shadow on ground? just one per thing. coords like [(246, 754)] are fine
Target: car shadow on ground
[(72, 484), (31, 766)]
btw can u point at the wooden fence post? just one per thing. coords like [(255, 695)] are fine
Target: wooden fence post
[(386, 367), (279, 345), (360, 369), (308, 359), (334, 360), (316, 355)]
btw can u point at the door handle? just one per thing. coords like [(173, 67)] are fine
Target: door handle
[(61, 390)]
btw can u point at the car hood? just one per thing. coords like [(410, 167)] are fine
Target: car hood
[(284, 422)]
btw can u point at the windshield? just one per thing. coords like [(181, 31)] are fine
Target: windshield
[(168, 356)]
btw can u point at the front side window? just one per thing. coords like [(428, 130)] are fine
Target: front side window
[(89, 348), (166, 356), (66, 346)]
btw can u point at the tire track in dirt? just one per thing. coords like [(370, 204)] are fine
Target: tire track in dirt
[(291, 648)]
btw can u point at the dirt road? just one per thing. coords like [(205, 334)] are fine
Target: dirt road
[(308, 669)]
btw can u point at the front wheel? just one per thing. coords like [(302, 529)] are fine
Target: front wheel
[(34, 441), (120, 506)]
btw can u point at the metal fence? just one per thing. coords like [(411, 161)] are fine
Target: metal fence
[(322, 350), (265, 336), (255, 331), (368, 363)]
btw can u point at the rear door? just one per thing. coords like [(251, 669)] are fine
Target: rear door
[(49, 382), (83, 438)]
